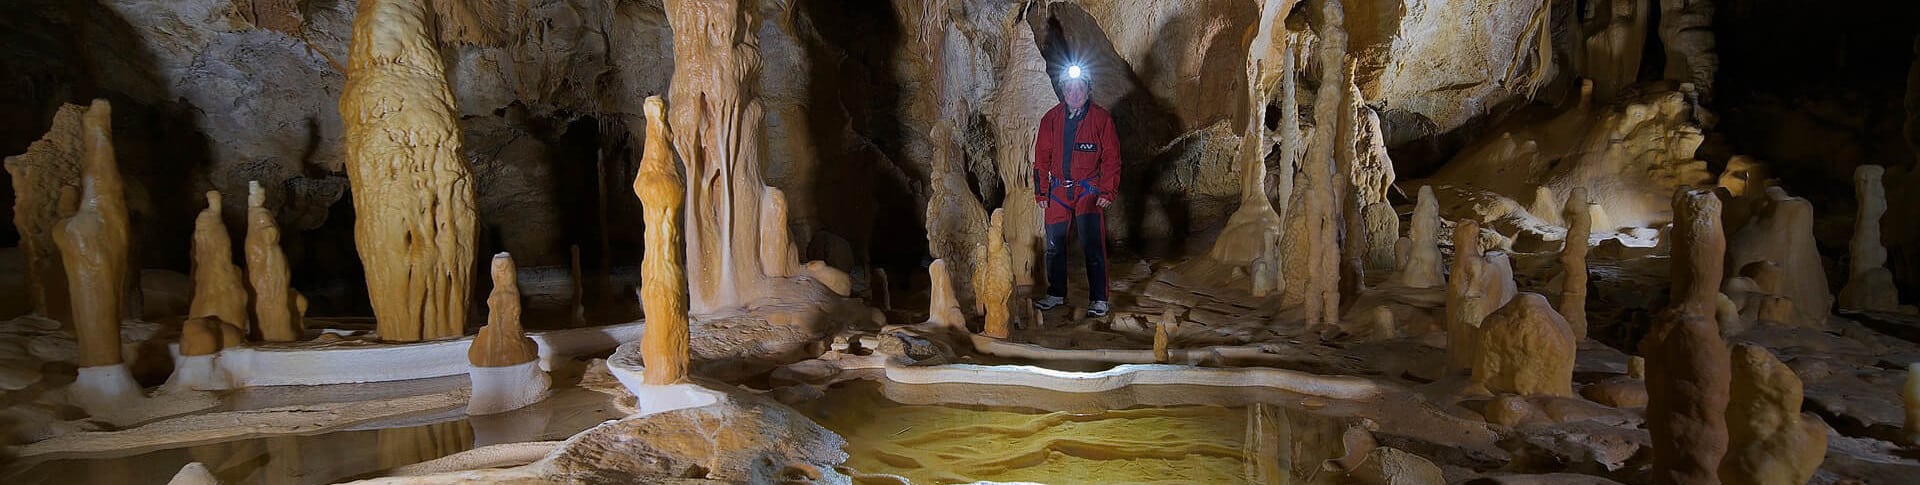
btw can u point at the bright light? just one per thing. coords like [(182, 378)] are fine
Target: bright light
[(1073, 72)]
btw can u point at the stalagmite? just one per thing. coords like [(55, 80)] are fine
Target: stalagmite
[(1250, 239), (1324, 192), (1688, 378), (1525, 348), (1781, 230), (201, 340), (414, 221), (1163, 337), (778, 256), (956, 222), (276, 306), (942, 309), (1910, 395), (663, 290), (1481, 283), (93, 247), (1869, 283), (1768, 440), (1573, 262), (1420, 264), (200, 336), (1373, 178), (505, 370), (49, 167), (1698, 251), (994, 281), (217, 290)]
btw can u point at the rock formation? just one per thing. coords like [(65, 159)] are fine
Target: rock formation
[(1525, 348), (778, 256), (1686, 31), (955, 220), (1869, 283), (49, 166), (1744, 176), (1573, 261), (1688, 381), (994, 281), (200, 336), (663, 290), (1781, 230), (503, 342), (1698, 252), (93, 243), (1373, 178), (1612, 54), (1251, 238), (1419, 264), (277, 308), (1323, 191), (942, 309), (1480, 284), (412, 189), (218, 292), (1910, 396), (1768, 440), (1163, 337)]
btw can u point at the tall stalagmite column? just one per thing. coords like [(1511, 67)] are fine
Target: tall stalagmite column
[(276, 307), (717, 120), (1324, 190), (1573, 260), (1869, 284), (93, 243), (412, 190), (217, 289), (1688, 368), (663, 282), (1699, 252), (995, 280), (1252, 235)]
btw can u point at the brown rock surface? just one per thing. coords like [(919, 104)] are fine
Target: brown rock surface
[(1525, 348), (1688, 379), (503, 342), (412, 188), (277, 308), (743, 439), (663, 290), (217, 288), (93, 243), (1768, 440), (49, 166)]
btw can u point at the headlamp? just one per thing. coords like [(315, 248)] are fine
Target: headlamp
[(1073, 72)]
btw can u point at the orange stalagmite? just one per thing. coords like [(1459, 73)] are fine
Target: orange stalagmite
[(412, 190), (503, 342), (663, 289), (93, 243), (275, 305), (218, 292)]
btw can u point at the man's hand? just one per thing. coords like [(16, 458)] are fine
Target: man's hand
[(1103, 202), (1043, 206)]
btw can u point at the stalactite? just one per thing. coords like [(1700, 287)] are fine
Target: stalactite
[(93, 243), (412, 189), (716, 59), (663, 286)]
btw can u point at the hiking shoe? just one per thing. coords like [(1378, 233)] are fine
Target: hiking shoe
[(1097, 310), (1049, 303)]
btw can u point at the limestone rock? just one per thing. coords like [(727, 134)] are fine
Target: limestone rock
[(743, 439), (1743, 176), (1420, 265), (414, 221), (1781, 231), (663, 290), (1525, 348), (1910, 396), (942, 309), (39, 175), (1573, 262), (993, 285), (1323, 191), (503, 342), (1869, 284), (1686, 31), (93, 243), (1481, 283), (1698, 252), (1688, 379), (1768, 440), (217, 288), (1617, 392), (276, 306), (200, 336), (779, 258)]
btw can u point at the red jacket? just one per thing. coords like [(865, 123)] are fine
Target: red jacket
[(1095, 163)]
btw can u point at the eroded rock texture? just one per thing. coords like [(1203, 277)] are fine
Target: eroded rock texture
[(503, 342), (93, 243), (1768, 440), (1688, 379), (218, 292), (1525, 348), (412, 188), (49, 166), (1780, 230), (663, 290), (277, 308)]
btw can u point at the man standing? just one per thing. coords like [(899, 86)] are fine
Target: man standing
[(1076, 163)]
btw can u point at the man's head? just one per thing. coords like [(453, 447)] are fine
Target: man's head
[(1075, 88)]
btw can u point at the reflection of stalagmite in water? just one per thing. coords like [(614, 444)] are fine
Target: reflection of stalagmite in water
[(663, 281), (412, 190), (407, 446), (217, 290), (49, 167), (276, 306)]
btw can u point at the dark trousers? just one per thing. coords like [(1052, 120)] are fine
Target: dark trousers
[(1093, 241)]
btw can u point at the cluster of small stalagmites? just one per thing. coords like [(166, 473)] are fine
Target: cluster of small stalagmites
[(993, 281), (503, 342), (1481, 283), (93, 242), (1869, 283)]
